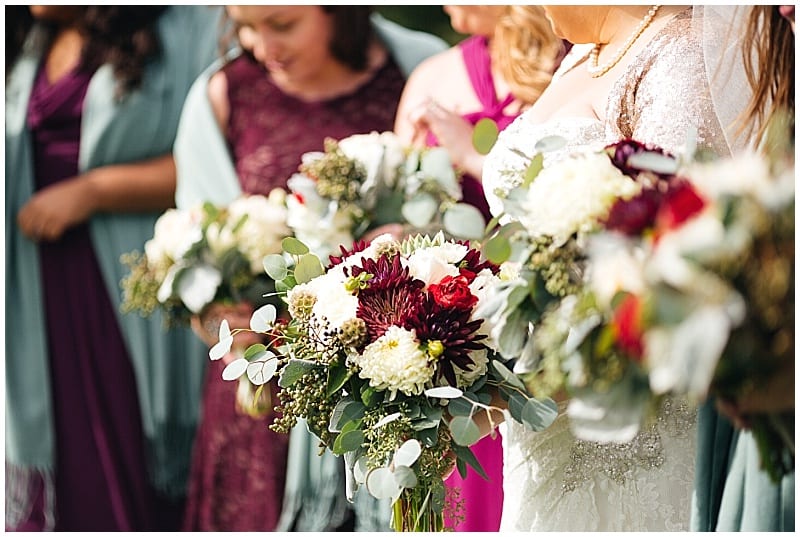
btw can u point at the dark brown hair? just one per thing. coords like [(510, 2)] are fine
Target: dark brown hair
[(352, 34), (122, 36), (768, 55)]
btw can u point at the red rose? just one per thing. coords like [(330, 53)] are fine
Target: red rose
[(627, 325), (681, 203), (453, 292)]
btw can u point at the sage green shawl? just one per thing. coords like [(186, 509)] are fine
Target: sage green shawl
[(168, 365), (314, 498)]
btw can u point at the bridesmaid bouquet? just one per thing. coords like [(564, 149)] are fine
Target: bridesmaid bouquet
[(366, 180), (385, 359), (206, 254)]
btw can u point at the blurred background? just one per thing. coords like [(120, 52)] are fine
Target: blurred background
[(427, 18)]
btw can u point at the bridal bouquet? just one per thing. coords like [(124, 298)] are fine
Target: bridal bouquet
[(366, 180), (542, 246), (385, 359), (206, 254), (688, 290)]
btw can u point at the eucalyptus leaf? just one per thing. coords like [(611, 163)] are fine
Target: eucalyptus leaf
[(444, 392), (262, 371), (235, 369), (345, 411), (464, 221), (293, 371), (405, 477), (254, 351), (484, 135), (516, 404), (436, 164), (381, 483), (428, 437), (263, 318), (275, 266), (420, 209), (408, 453), (308, 267), (497, 249), (507, 375), (388, 419), (460, 407), (294, 246), (655, 162), (223, 346), (432, 418), (337, 376), (348, 441), (465, 432), (465, 454), (532, 170), (538, 414)]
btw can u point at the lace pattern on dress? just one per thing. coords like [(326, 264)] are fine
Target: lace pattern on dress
[(618, 461)]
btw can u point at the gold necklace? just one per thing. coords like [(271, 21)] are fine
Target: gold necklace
[(599, 70)]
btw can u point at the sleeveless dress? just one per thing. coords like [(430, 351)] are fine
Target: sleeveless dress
[(475, 54), (554, 482), (482, 501), (239, 465), (101, 479)]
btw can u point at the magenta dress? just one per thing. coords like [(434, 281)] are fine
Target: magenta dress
[(482, 500), (101, 479), (238, 468)]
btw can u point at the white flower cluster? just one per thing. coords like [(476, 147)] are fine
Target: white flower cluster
[(395, 362), (572, 195), (263, 228), (175, 232)]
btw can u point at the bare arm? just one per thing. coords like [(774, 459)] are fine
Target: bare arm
[(140, 186)]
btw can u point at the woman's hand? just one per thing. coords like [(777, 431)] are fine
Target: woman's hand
[(54, 209), (206, 325), (776, 396), (452, 132)]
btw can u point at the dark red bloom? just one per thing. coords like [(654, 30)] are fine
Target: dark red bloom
[(627, 325), (391, 296), (635, 215), (454, 330), (358, 246), (453, 292), (621, 152), (473, 262), (681, 202)]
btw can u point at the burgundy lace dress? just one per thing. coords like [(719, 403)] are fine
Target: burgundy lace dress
[(238, 468)]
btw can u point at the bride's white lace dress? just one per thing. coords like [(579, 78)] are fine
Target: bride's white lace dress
[(552, 482)]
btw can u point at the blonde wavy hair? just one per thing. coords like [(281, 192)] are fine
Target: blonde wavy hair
[(526, 51)]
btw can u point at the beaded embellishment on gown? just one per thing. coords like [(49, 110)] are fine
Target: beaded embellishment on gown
[(554, 482)]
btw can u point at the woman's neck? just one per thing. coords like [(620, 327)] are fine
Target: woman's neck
[(64, 53), (335, 79)]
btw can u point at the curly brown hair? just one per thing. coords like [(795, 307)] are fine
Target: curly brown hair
[(122, 36)]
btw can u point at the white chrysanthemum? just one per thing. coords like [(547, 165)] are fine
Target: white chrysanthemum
[(572, 195), (395, 362), (334, 303), (174, 234), (433, 263), (746, 174)]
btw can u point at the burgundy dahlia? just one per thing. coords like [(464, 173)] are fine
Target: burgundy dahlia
[(621, 152), (454, 330), (391, 295)]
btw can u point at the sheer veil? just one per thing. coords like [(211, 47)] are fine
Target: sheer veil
[(722, 29)]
